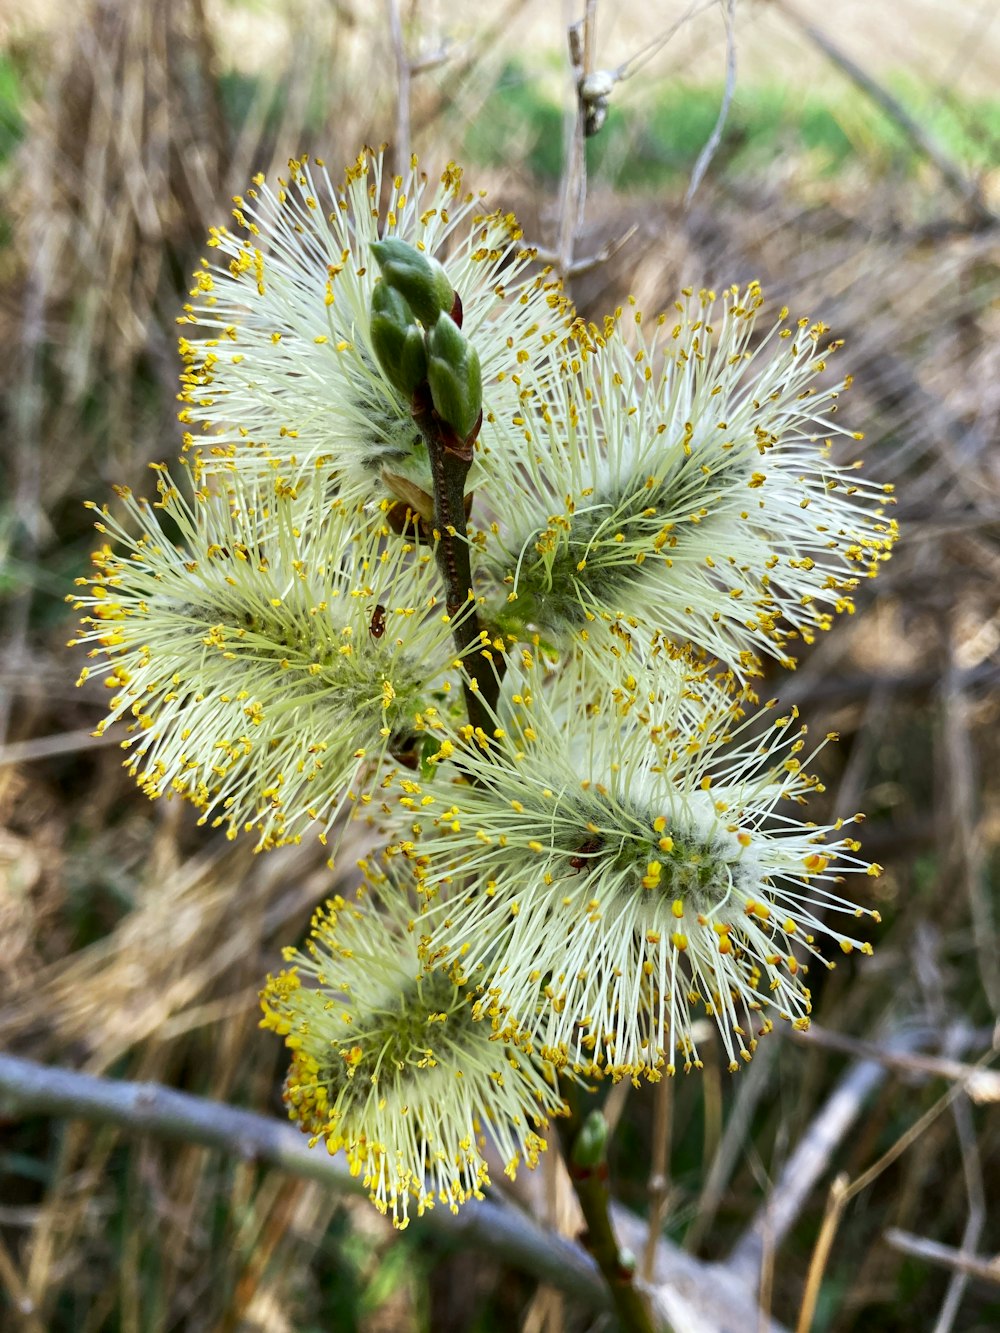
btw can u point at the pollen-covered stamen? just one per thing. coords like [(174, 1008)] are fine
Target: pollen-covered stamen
[(427, 1019), (277, 345), (627, 863), (686, 484), (390, 1063), (243, 659)]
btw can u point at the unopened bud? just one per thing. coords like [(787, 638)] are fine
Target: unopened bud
[(418, 278), (455, 377), (626, 1265), (397, 339), (591, 1142)]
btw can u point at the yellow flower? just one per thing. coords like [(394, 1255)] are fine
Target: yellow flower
[(679, 480), (390, 1065), (642, 858), (277, 334), (269, 662)]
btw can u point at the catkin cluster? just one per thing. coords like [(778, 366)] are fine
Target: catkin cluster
[(444, 553)]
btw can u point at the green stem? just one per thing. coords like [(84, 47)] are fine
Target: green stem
[(591, 1186), (450, 460)]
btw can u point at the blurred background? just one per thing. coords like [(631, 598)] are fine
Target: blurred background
[(858, 177)]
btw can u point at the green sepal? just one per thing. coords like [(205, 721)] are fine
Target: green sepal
[(397, 339), (455, 377), (419, 279)]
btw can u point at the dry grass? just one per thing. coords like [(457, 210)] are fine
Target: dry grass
[(133, 944)]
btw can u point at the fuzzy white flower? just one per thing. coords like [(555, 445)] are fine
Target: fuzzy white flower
[(630, 863), (683, 483), (268, 660), (277, 341), (390, 1065)]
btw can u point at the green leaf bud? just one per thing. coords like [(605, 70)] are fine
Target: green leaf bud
[(397, 339), (591, 1142), (627, 1264), (420, 279), (455, 377)]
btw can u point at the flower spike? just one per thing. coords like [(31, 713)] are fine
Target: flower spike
[(684, 485), (281, 360), (610, 866), (390, 1064), (269, 663)]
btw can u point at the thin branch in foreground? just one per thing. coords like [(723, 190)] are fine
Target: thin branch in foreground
[(495, 1228), (690, 1294), (584, 1146)]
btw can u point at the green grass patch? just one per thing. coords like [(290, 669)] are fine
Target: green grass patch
[(655, 142), (11, 116)]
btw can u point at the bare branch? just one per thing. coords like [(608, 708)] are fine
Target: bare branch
[(573, 189), (500, 1229), (968, 851), (692, 1295), (944, 1255), (715, 138), (982, 1085), (659, 1165), (973, 1171), (753, 1084), (812, 1157), (435, 59), (925, 144), (836, 1200), (46, 747), (589, 262), (645, 53)]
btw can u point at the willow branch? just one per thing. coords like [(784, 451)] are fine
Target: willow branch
[(450, 461), (495, 1228), (590, 1184), (688, 1293)]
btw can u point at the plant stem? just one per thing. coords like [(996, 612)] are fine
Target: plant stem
[(591, 1186), (451, 459)]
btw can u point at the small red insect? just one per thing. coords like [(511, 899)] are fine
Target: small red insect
[(377, 627), (585, 852)]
